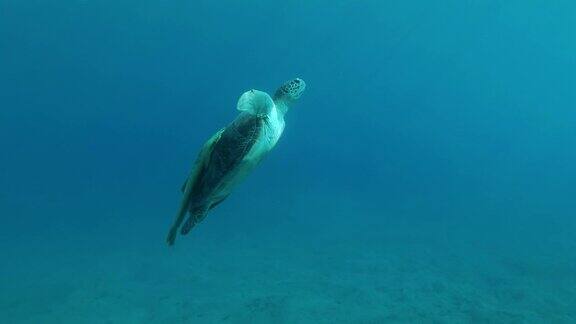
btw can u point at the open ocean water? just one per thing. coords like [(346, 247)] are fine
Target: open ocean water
[(427, 174)]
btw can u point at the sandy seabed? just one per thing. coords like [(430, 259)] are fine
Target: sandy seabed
[(386, 274)]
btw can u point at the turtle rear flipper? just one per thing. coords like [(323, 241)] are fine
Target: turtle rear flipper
[(196, 216)]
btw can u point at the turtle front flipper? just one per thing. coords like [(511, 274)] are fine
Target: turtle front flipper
[(172, 235), (191, 182)]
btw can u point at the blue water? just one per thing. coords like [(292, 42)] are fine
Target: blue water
[(427, 174)]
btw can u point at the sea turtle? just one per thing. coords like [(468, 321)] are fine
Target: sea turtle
[(230, 154)]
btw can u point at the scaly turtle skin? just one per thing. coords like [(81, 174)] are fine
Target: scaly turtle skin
[(230, 154)]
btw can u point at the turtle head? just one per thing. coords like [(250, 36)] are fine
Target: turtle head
[(290, 91)]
